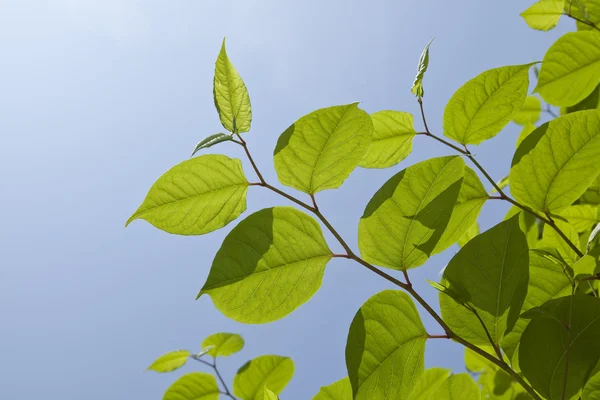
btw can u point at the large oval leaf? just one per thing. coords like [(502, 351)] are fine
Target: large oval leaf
[(339, 390), (231, 96), (170, 361), (544, 15), (223, 344), (196, 197), (193, 386), (490, 273), (484, 105), (321, 149), (385, 348), (393, 132), (571, 69), (543, 348), (405, 219), (556, 163), (274, 372), (268, 265)]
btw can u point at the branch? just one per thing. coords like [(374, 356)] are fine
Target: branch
[(583, 21), (213, 365)]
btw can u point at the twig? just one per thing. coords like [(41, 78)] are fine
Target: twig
[(213, 365)]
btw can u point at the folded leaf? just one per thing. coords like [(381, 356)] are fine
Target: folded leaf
[(211, 141), (417, 87)]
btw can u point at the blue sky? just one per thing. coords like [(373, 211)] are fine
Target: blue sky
[(99, 98)]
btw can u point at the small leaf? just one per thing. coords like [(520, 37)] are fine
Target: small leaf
[(544, 15), (196, 197), (484, 105), (274, 372), (223, 344), (526, 131), (385, 347), (557, 162), (267, 266), (340, 390), (405, 219), (170, 361), (530, 112), (193, 386), (231, 96), (211, 141), (321, 149), (571, 69), (469, 234), (430, 381), (417, 87), (392, 139)]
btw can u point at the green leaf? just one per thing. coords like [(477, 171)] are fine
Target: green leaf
[(586, 10), (392, 139), (340, 390), (385, 348), (591, 244), (526, 131), (530, 112), (469, 234), (269, 395), (552, 240), (591, 390), (170, 361), (588, 265), (592, 194), (493, 271), (321, 149), (223, 344), (231, 96), (406, 218), (268, 265), (527, 223), (430, 381), (544, 15), (417, 87), (211, 141), (502, 183), (193, 386), (484, 105), (557, 162), (582, 216), (571, 69), (196, 197), (274, 372), (476, 363), (457, 387), (542, 353), (589, 103)]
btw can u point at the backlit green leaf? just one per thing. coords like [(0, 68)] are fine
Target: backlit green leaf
[(170, 361), (592, 193), (571, 69), (195, 197), (457, 387), (340, 390), (589, 103), (544, 15), (556, 163), (584, 10), (552, 240), (406, 218), (392, 139), (211, 141), (582, 216), (269, 395), (588, 265), (502, 183), (542, 353), (385, 348), (268, 265), (193, 386), (527, 223), (223, 344), (231, 96), (492, 270), (321, 149), (526, 131), (469, 234), (484, 105), (417, 87), (430, 381), (274, 372), (530, 112), (591, 390)]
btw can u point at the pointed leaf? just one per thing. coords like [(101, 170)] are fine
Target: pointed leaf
[(196, 197), (392, 139), (417, 87), (267, 266), (484, 105), (193, 386), (274, 372), (211, 141), (321, 149), (223, 344), (405, 219), (530, 112), (557, 162), (170, 361), (385, 348), (544, 15), (340, 390)]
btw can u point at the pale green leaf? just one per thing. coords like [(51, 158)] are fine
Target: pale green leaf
[(211, 141), (527, 223), (393, 132), (582, 216), (571, 69), (469, 234), (195, 197), (584, 10), (526, 131), (269, 395), (385, 348), (231, 96), (592, 193), (274, 372), (589, 103), (556, 163), (339, 390), (492, 271), (430, 381), (552, 240), (542, 353), (591, 390), (544, 15), (484, 105), (406, 218), (268, 265), (457, 387), (193, 386), (223, 344), (477, 364), (530, 112), (321, 149), (170, 361), (417, 87)]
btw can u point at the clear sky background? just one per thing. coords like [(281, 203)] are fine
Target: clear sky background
[(99, 98)]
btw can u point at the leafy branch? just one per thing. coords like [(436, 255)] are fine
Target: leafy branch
[(213, 365)]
